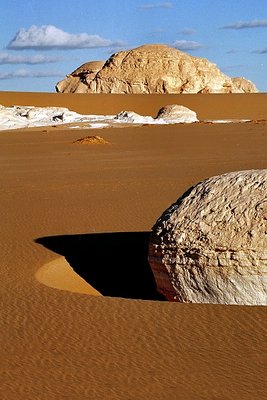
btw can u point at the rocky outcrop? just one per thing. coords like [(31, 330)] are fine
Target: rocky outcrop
[(153, 69), (77, 81), (210, 246), (244, 85)]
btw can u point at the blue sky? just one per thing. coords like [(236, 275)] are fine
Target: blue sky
[(41, 41)]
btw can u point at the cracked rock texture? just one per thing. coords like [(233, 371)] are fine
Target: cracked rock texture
[(210, 246), (153, 69)]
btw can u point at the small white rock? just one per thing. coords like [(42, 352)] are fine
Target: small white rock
[(177, 113)]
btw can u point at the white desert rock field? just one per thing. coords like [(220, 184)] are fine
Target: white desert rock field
[(80, 314)]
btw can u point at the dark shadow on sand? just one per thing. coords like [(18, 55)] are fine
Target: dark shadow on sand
[(113, 263)]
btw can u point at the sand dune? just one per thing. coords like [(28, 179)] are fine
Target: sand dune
[(91, 208)]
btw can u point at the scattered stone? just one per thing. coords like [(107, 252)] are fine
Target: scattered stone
[(210, 246), (91, 140)]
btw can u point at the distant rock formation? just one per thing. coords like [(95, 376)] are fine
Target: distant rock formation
[(77, 81), (152, 69), (211, 245), (244, 85)]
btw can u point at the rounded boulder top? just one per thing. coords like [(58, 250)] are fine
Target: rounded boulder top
[(89, 67), (177, 112), (210, 246)]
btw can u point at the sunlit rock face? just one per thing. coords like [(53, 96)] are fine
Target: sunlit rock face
[(76, 82), (210, 246), (153, 69), (244, 85)]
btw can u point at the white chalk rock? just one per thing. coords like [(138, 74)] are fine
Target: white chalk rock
[(176, 113), (133, 118), (211, 245), (29, 116)]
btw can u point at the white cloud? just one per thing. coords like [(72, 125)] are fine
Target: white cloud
[(48, 37), (6, 58), (185, 45), (262, 51), (230, 68), (232, 51), (166, 4), (256, 23), (159, 30), (187, 31), (24, 73)]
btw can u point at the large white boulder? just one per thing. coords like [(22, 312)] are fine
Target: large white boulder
[(210, 246)]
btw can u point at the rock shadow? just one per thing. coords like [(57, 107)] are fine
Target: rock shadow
[(115, 264)]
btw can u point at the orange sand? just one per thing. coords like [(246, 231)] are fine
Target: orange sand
[(91, 208)]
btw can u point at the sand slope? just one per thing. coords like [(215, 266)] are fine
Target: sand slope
[(95, 205)]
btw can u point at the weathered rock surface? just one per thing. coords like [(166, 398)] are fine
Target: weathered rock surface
[(76, 82), (211, 245), (153, 69), (177, 113), (244, 85)]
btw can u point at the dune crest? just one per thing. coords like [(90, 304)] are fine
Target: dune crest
[(58, 274)]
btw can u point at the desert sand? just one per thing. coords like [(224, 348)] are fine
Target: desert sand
[(72, 213)]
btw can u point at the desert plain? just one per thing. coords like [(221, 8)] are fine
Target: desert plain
[(80, 314)]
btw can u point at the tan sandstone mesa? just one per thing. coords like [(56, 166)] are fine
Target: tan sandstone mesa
[(153, 68)]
